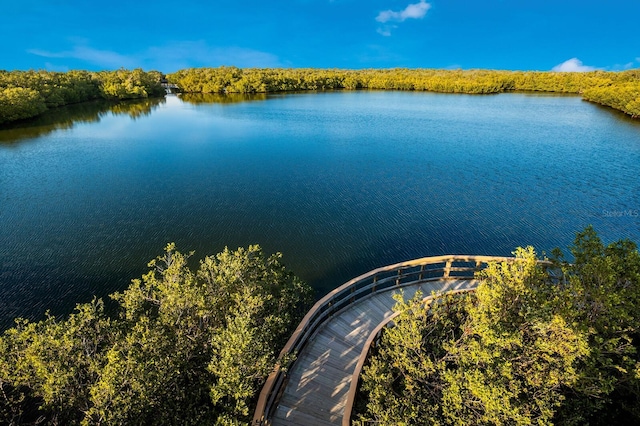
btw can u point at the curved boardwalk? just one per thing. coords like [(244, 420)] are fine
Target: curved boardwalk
[(319, 382), (333, 339)]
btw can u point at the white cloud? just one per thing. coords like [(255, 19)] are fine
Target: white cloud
[(167, 58), (103, 58), (573, 65), (386, 30), (184, 54), (413, 11), (620, 67)]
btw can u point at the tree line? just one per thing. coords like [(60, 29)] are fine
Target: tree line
[(182, 346), (26, 94), (532, 345), (619, 90)]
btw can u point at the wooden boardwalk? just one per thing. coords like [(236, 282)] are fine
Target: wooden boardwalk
[(319, 382), (334, 337)]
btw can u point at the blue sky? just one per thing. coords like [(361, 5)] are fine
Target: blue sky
[(169, 35)]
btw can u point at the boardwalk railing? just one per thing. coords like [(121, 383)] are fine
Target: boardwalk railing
[(377, 332), (454, 267)]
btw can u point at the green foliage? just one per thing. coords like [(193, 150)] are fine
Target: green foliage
[(124, 84), (520, 351), (187, 347), (17, 103), (51, 364), (620, 90), (603, 295), (624, 97), (25, 94), (525, 348), (55, 88), (403, 379)]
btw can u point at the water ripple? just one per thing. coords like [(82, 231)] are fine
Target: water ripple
[(340, 183)]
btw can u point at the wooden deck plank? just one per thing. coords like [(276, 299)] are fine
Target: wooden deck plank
[(346, 332), (293, 416), (340, 361), (313, 403), (330, 339), (324, 383), (384, 302)]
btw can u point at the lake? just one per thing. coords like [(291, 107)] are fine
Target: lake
[(339, 182)]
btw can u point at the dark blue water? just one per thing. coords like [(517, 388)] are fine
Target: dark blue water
[(340, 183)]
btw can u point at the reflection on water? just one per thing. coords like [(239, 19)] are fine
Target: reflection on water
[(339, 182), (217, 98), (136, 108), (66, 117)]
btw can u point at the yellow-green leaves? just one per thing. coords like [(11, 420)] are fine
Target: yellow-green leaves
[(525, 349), (187, 347), (25, 94), (17, 103), (619, 90)]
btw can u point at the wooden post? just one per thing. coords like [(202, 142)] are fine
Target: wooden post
[(421, 273), (478, 267), (447, 269)]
